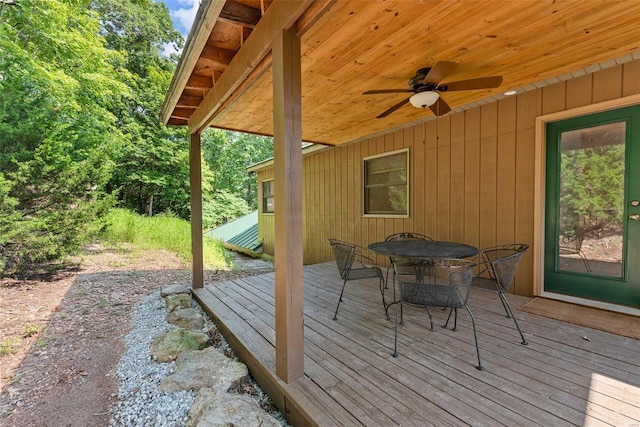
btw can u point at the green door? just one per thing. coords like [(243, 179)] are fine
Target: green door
[(592, 209)]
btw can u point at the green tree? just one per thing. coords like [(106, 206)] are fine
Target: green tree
[(152, 168), (229, 154), (592, 187), (57, 132), (221, 207)]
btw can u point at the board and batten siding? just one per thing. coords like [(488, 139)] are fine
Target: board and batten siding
[(471, 174)]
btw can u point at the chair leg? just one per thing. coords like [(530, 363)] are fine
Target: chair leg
[(335, 316), (383, 286), (395, 300), (475, 335), (455, 319), (386, 280), (430, 319), (506, 310), (505, 302), (395, 338)]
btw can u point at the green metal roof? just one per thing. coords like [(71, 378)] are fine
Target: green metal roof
[(241, 233)]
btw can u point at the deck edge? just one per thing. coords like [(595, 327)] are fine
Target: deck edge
[(279, 392)]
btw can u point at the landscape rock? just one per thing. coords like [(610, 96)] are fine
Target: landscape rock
[(206, 368), (187, 318), (177, 301), (173, 289), (220, 409), (166, 347)]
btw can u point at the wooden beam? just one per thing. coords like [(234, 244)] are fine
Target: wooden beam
[(199, 82), (280, 15), (287, 124), (195, 177), (217, 55), (240, 14), (203, 24), (178, 121), (312, 15), (189, 101), (183, 113)]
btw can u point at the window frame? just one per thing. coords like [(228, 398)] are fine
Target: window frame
[(264, 199), (364, 184)]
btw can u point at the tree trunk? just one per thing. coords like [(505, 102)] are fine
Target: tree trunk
[(150, 212)]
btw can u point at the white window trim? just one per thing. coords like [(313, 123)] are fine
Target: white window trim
[(362, 189)]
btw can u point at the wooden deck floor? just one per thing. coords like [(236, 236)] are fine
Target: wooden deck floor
[(567, 375)]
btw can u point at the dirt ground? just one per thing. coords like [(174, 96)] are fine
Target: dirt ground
[(62, 339)]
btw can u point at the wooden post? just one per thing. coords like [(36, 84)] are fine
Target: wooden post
[(287, 129), (195, 177)]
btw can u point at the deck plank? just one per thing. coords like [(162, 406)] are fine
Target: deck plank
[(560, 378)]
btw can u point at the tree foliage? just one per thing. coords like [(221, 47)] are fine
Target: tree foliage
[(81, 85), (57, 131), (592, 187), (228, 154), (152, 168)]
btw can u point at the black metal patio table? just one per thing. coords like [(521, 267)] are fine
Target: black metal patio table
[(420, 254), (425, 249)]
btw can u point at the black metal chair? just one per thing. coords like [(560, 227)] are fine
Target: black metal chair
[(497, 270), (402, 236), (346, 255), (445, 284)]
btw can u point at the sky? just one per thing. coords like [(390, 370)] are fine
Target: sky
[(182, 14)]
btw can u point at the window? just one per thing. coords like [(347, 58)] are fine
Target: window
[(267, 196), (386, 187)]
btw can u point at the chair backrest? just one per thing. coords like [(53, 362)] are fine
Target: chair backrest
[(444, 284), (504, 261), (408, 269), (407, 236), (344, 254)]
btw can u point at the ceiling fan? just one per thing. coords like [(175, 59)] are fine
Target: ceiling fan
[(426, 88)]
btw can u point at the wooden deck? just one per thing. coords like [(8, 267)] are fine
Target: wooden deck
[(567, 375)]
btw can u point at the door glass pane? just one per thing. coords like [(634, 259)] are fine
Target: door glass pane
[(591, 209)]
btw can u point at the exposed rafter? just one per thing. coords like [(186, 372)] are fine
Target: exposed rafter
[(279, 15), (217, 55), (240, 14)]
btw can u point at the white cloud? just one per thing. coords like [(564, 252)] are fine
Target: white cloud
[(184, 16), (170, 48)]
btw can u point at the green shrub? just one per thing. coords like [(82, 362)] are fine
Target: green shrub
[(163, 231)]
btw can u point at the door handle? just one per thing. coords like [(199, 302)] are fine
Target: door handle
[(634, 217)]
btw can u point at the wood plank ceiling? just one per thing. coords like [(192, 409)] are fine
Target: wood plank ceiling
[(349, 47)]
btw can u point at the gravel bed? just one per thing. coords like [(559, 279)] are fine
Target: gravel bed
[(140, 403)]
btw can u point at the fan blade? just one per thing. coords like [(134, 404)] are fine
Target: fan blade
[(440, 108), (471, 84), (373, 92), (394, 108), (439, 71)]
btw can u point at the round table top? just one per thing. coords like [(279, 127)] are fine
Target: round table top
[(423, 249)]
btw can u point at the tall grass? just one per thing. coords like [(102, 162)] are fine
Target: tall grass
[(162, 232)]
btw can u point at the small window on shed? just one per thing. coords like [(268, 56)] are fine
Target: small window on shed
[(386, 187), (267, 196)]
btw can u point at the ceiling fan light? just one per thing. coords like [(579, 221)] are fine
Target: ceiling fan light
[(424, 99)]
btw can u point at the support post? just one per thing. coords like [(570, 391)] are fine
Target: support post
[(195, 178), (287, 125)]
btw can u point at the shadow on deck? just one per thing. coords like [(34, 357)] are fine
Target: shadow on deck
[(567, 375)]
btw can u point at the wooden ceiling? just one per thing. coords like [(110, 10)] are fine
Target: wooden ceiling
[(349, 47)]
